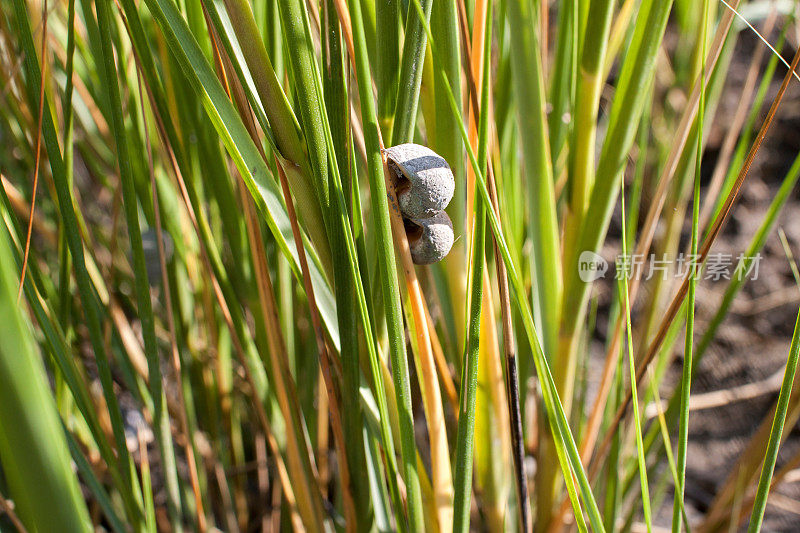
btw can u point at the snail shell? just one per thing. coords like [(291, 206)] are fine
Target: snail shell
[(430, 239), (422, 178)]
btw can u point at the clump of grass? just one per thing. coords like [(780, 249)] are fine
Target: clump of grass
[(253, 137)]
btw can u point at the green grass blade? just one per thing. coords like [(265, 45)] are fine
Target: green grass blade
[(161, 423), (465, 440), (529, 87), (390, 287), (546, 274), (90, 479), (405, 111), (34, 454), (242, 40), (771, 455), (562, 88), (387, 57), (337, 104), (662, 426), (582, 149), (632, 366), (686, 374), (70, 221)]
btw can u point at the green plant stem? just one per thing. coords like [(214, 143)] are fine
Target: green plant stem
[(161, 422), (283, 124), (36, 462), (388, 276), (462, 484), (469, 379), (632, 367), (562, 88), (64, 258), (337, 104), (582, 150), (686, 375), (131, 497), (771, 455), (546, 267), (405, 111), (387, 56)]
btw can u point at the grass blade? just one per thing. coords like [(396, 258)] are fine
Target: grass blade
[(36, 462), (771, 454)]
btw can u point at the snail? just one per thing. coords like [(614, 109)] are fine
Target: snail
[(422, 178), (430, 239), (424, 185)]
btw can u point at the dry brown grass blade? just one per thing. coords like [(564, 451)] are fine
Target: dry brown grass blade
[(732, 135), (227, 503), (323, 434), (37, 153), (262, 476), (22, 208), (347, 29), (715, 230), (325, 357), (144, 456)]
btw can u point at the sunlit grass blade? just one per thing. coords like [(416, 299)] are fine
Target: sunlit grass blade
[(686, 376), (410, 77), (388, 283), (632, 367), (469, 372), (664, 430)]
